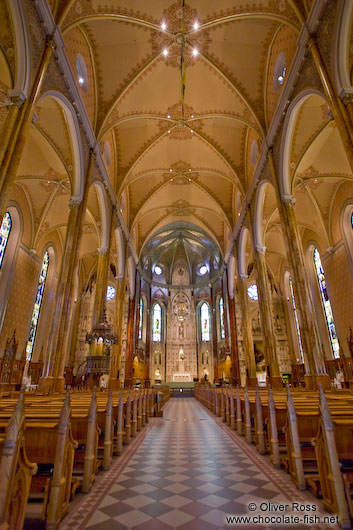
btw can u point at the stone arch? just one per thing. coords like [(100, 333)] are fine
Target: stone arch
[(104, 214), (231, 272), (243, 239), (131, 267), (287, 136), (342, 36), (23, 49), (121, 252), (76, 141), (347, 230), (259, 210), (9, 264)]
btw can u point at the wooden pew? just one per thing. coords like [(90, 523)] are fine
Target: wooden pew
[(334, 453), (15, 471)]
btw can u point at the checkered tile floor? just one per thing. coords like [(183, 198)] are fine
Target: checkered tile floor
[(186, 471)]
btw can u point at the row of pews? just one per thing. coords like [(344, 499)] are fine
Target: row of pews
[(308, 433), (53, 446)]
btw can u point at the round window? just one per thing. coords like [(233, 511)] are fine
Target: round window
[(82, 74), (111, 291), (203, 269), (252, 292), (158, 270)]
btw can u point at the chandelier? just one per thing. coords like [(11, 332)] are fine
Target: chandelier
[(102, 332)]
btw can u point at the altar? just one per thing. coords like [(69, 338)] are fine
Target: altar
[(182, 378)]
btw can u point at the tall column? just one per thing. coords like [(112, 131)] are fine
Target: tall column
[(129, 356), (148, 343), (265, 304), (55, 359), (8, 128), (101, 284), (115, 362), (313, 354), (233, 342), (16, 145), (341, 115), (214, 338), (251, 379)]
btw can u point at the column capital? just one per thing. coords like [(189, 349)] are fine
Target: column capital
[(50, 42), (346, 96), (74, 203), (261, 249), (15, 98), (102, 251), (289, 199)]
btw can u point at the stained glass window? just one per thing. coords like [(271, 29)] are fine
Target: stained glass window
[(141, 319), (110, 293), (327, 305), (296, 318), (37, 306), (221, 319), (205, 322), (352, 219), (157, 323), (252, 292), (5, 230)]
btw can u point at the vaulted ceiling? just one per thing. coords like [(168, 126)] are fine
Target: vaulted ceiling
[(171, 161)]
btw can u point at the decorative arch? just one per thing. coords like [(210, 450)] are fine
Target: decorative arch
[(76, 142), (205, 321), (23, 49), (342, 36), (231, 273), (8, 265), (347, 230), (131, 267), (119, 238), (323, 307), (259, 210), (243, 239), (44, 293), (287, 136), (157, 322), (105, 214)]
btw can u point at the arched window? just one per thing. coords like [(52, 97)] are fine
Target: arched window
[(5, 230), (352, 219), (37, 306), (141, 319), (296, 318), (326, 304), (157, 323), (221, 319), (205, 322)]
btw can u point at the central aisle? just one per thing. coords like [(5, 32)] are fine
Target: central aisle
[(185, 471)]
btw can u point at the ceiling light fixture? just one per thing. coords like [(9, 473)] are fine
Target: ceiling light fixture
[(195, 52), (168, 116), (189, 168), (192, 115), (81, 81), (171, 170), (196, 26), (164, 26), (168, 132), (165, 52)]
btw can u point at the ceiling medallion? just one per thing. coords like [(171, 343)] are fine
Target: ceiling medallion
[(181, 129), (191, 38)]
